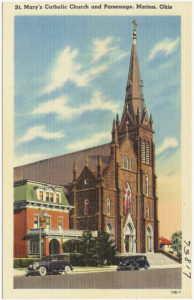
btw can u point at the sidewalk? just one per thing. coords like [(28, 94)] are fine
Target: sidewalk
[(78, 270), (94, 269)]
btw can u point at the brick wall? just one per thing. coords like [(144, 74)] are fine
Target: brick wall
[(20, 229)]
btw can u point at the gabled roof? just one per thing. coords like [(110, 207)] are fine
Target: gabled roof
[(164, 241), (59, 170)]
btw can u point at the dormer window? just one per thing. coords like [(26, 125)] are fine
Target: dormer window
[(47, 196), (41, 195), (51, 197), (57, 198)]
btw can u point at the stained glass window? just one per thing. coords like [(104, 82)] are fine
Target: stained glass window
[(127, 199)]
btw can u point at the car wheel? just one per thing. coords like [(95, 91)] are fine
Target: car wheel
[(67, 269), (146, 267), (42, 271)]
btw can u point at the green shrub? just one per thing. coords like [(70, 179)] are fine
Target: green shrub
[(23, 262), (76, 259), (118, 259)]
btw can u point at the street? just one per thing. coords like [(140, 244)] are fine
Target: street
[(145, 279)]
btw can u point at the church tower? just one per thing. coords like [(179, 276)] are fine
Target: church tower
[(137, 124), (115, 191)]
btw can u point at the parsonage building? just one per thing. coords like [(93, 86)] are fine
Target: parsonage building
[(111, 187)]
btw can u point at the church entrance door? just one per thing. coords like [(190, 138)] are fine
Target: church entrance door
[(127, 243), (129, 239)]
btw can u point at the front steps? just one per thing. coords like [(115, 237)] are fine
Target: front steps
[(156, 259)]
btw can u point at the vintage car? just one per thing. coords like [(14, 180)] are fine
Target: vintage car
[(53, 264), (135, 262)]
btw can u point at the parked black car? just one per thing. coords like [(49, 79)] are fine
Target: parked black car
[(53, 264), (131, 263)]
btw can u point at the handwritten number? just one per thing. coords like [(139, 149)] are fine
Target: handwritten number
[(186, 259), (189, 276), (188, 243)]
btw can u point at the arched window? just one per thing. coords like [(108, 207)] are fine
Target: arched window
[(127, 199), (130, 163), (86, 202), (108, 206), (126, 163), (147, 212), (110, 230), (148, 153), (147, 184), (123, 160), (143, 151)]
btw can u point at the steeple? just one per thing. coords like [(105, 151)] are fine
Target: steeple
[(134, 97)]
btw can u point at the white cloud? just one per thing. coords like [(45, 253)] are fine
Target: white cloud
[(122, 55), (167, 143), (28, 158), (39, 131), (66, 68), (61, 107), (101, 48), (165, 47), (94, 140), (57, 106)]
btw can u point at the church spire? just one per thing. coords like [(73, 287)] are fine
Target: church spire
[(134, 97)]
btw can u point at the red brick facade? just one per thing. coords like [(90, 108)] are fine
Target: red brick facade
[(24, 221), (27, 217), (130, 170)]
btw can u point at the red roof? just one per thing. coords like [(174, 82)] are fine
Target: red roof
[(164, 241)]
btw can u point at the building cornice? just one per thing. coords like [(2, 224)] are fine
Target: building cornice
[(43, 205)]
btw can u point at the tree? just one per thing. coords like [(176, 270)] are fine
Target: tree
[(104, 251), (176, 243), (71, 246), (86, 247)]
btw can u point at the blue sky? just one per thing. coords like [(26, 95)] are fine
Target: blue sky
[(70, 79)]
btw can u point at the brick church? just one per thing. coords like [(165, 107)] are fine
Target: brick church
[(112, 187)]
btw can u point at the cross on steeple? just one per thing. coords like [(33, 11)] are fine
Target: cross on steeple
[(134, 32)]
